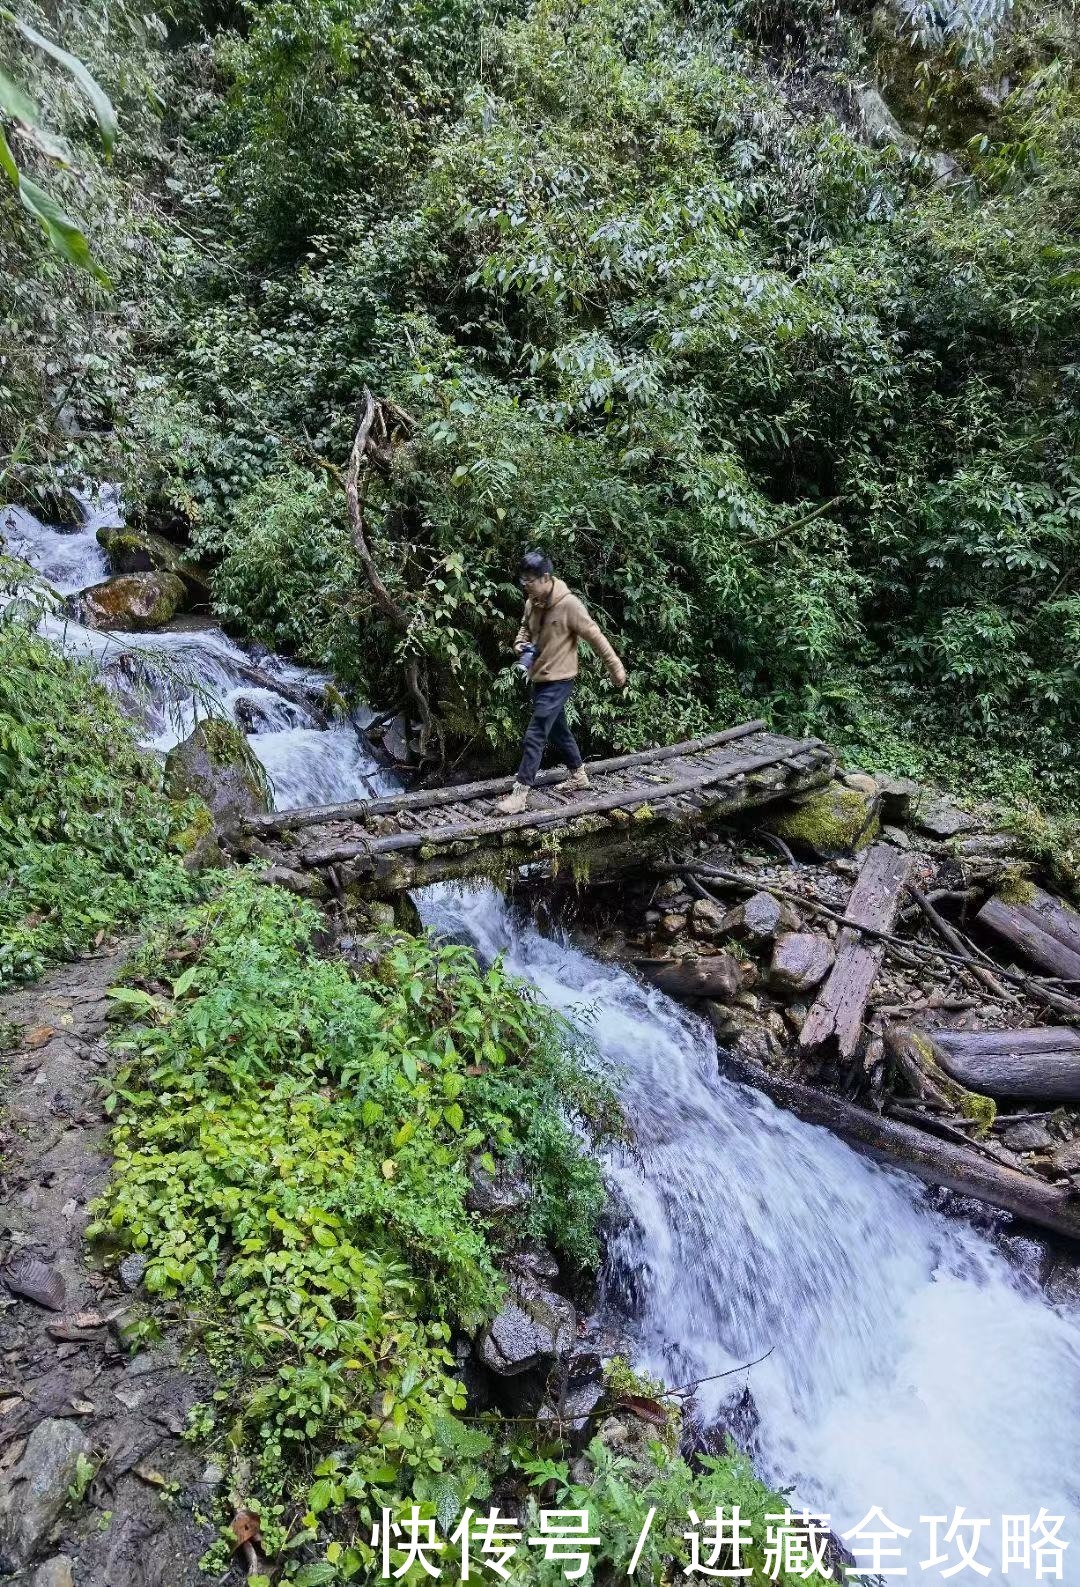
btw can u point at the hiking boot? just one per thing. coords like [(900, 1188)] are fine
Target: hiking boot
[(516, 801), (577, 781)]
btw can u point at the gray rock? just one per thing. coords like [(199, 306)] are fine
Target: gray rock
[(1027, 1136), (56, 1572), (759, 918), (1066, 1158), (35, 1490), (572, 1410), (897, 837), (216, 763), (880, 126), (132, 1269), (499, 1193), (942, 819), (706, 918), (898, 796), (801, 960), (535, 1327)]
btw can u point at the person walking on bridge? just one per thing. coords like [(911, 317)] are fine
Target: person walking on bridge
[(547, 650)]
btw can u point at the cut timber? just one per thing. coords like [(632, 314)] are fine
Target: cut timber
[(714, 975), (1043, 1064), (1042, 928), (936, 1162), (837, 1015)]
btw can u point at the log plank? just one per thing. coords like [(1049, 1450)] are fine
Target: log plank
[(836, 1016)]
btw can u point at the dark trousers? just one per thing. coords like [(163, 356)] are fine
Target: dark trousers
[(548, 722)]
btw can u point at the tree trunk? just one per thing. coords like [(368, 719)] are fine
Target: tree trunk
[(1043, 1064), (936, 1162), (1042, 929)]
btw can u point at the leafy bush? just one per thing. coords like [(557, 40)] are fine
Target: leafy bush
[(86, 835), (291, 1154)]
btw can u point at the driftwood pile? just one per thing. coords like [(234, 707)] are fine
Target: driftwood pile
[(922, 1002)]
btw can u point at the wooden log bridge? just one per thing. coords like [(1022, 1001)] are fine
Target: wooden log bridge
[(381, 847)]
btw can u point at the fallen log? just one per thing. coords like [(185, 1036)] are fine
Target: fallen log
[(713, 975), (935, 1162), (836, 1017), (1040, 927), (1043, 1064)]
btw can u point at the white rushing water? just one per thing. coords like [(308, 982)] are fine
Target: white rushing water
[(171, 679), (912, 1367)]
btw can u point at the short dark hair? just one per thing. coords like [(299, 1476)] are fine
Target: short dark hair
[(535, 565)]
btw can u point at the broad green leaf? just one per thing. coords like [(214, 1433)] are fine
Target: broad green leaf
[(7, 161), (15, 102), (182, 982), (63, 233), (99, 99)]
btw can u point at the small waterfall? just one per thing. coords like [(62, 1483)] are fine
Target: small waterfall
[(168, 680), (911, 1367)]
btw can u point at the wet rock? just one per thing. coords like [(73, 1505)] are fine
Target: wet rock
[(1027, 1136), (898, 796), (829, 821), (1063, 1285), (35, 1280), (759, 919), (712, 975), (801, 960), (35, 1490), (141, 551), (671, 925), (535, 1327), (496, 1194), (130, 603), (215, 763), (745, 1032), (56, 1572), (942, 819), (534, 1261)]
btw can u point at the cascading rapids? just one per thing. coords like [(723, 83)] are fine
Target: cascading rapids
[(911, 1366)]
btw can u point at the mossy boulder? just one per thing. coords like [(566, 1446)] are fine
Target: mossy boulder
[(215, 763), (836, 819), (141, 551), (131, 603)]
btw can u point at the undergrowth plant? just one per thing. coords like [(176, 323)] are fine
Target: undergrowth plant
[(88, 841), (292, 1155)]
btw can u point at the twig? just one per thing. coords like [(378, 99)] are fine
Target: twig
[(688, 1388), (957, 943)]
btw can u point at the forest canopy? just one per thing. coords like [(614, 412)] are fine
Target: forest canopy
[(789, 398)]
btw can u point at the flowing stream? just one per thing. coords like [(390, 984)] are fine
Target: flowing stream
[(912, 1367)]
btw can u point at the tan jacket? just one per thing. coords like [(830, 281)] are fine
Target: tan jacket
[(555, 629)]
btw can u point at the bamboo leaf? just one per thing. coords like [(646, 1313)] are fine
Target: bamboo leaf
[(99, 99), (15, 102), (7, 161), (64, 235)]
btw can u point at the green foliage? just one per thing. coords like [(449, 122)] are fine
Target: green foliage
[(291, 1154), (621, 1492), (20, 111), (790, 416), (86, 836)]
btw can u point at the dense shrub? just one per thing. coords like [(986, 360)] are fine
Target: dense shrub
[(86, 835)]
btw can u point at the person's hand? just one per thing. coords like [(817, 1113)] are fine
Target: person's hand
[(620, 683)]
